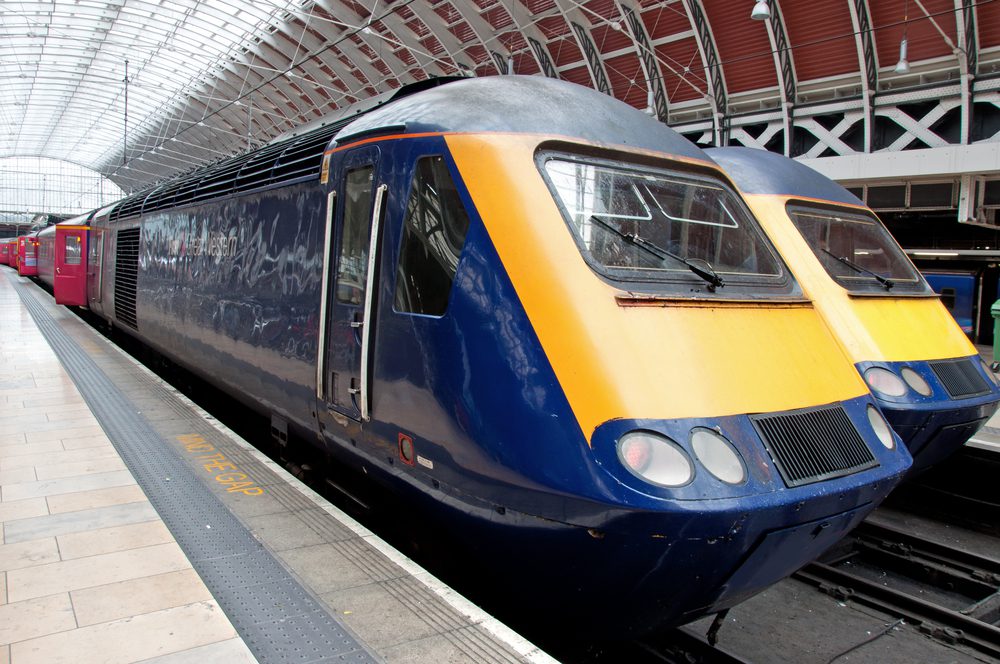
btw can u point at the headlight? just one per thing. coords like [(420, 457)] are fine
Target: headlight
[(882, 429), (885, 382), (655, 458), (718, 456), (916, 381)]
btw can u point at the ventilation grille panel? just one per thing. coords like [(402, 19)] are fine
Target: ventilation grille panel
[(814, 445), (960, 377), (126, 276)]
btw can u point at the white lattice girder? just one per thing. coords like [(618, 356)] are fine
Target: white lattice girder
[(741, 136), (918, 128), (910, 164)]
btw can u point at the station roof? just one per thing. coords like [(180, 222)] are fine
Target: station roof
[(141, 90)]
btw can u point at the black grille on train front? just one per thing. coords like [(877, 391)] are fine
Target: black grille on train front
[(960, 377), (126, 275), (813, 445)]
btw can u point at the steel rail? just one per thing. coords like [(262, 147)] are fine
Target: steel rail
[(953, 557), (682, 645), (938, 621)]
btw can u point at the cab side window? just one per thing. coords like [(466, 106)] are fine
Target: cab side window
[(433, 235)]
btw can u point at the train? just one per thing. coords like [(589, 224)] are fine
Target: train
[(927, 376), (62, 250), (20, 253), (537, 315)]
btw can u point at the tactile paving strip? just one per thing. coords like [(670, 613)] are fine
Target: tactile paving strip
[(276, 617)]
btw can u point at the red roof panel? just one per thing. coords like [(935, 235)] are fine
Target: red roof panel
[(596, 10), (513, 41), (627, 79), (665, 21), (580, 75), (498, 17), (675, 57), (524, 63), (923, 40), (988, 22), (538, 6), (553, 26), (743, 46), (609, 40), (822, 39), (564, 51)]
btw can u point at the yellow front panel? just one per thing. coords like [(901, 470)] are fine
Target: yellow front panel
[(870, 328), (613, 361)]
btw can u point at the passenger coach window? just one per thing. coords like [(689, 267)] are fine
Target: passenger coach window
[(72, 256), (433, 236), (857, 251), (352, 266)]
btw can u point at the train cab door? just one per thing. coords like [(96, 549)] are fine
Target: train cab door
[(70, 281), (355, 204)]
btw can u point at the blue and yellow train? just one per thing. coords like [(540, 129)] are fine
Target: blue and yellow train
[(928, 378), (535, 311)]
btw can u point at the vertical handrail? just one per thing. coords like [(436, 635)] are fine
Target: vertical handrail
[(331, 201), (366, 329)]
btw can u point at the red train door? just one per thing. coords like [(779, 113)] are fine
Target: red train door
[(70, 284), (27, 260)]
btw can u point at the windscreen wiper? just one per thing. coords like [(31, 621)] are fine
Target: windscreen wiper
[(886, 283), (706, 273)]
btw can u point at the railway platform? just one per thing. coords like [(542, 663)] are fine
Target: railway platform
[(134, 527)]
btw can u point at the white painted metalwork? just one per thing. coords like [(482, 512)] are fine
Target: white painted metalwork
[(331, 203), (371, 297), (195, 65)]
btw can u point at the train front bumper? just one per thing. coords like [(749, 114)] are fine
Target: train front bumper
[(956, 397)]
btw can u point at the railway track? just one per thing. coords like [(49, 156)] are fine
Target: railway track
[(949, 594), (962, 490)]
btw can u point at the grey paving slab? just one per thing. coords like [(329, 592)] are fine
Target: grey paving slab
[(52, 525), (374, 611), (233, 651), (66, 485), (324, 568), (284, 531)]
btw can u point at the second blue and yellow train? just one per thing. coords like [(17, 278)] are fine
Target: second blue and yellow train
[(928, 378)]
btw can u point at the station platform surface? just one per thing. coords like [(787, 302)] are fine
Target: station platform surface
[(134, 528), (988, 438)]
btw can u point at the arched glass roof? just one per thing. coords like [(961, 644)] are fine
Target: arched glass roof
[(36, 184), (209, 78)]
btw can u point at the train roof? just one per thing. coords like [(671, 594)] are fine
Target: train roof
[(523, 104), (763, 172), (281, 162)]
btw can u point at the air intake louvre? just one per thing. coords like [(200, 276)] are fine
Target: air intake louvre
[(960, 377), (126, 276), (814, 445)]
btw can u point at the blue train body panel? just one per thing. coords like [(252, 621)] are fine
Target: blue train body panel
[(229, 290), (958, 294)]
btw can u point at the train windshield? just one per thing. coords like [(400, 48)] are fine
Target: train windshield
[(661, 227), (857, 251)]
